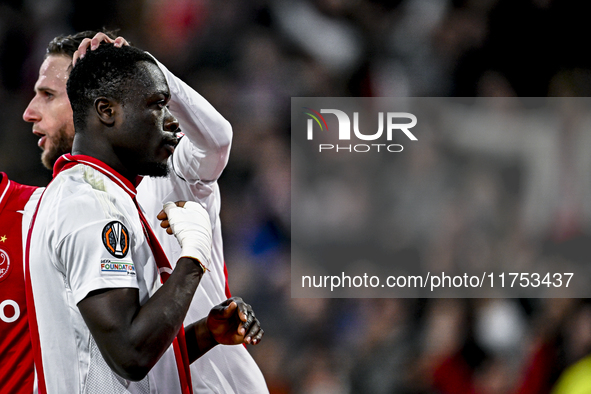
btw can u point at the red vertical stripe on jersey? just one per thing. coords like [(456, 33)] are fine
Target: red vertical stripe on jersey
[(228, 294), (164, 267)]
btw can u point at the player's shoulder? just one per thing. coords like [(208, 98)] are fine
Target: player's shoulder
[(83, 182), (15, 191), (25, 189), (84, 194)]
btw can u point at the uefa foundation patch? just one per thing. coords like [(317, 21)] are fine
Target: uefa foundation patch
[(117, 267), (116, 239)]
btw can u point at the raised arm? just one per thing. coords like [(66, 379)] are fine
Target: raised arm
[(203, 154), (209, 133)]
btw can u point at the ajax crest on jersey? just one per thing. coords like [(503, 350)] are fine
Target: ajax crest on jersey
[(116, 239), (4, 265)]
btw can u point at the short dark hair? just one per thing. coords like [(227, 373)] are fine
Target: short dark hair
[(106, 71), (68, 44)]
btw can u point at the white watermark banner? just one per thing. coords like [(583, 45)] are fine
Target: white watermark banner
[(441, 197)]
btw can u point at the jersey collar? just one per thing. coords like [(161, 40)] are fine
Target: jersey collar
[(67, 161)]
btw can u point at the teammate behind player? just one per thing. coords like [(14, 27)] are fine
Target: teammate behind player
[(196, 165), (16, 368), (94, 262)]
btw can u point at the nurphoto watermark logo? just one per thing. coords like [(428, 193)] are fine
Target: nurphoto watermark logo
[(380, 143)]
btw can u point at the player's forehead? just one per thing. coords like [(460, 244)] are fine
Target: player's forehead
[(152, 80), (54, 72)]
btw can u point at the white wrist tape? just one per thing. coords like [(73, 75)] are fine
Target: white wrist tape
[(192, 228)]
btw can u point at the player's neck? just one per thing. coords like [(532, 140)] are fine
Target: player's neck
[(101, 150)]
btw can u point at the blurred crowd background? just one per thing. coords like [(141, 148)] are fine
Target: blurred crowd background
[(248, 57)]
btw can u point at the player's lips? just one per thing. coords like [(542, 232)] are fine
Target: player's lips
[(42, 138), (169, 148), (169, 144)]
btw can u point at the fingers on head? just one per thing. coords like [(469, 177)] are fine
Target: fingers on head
[(84, 44), (120, 41), (101, 37)]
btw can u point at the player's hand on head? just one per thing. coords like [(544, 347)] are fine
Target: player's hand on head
[(94, 43), (233, 322), (189, 222)]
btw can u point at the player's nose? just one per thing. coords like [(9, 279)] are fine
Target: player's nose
[(31, 113), (170, 122)]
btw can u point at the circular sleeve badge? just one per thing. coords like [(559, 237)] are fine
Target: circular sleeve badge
[(116, 239)]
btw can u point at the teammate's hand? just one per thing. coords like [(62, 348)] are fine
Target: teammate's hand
[(233, 322), (94, 43), (189, 223)]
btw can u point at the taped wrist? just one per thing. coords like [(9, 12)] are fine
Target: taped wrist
[(192, 228)]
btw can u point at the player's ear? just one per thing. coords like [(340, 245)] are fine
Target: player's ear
[(105, 110)]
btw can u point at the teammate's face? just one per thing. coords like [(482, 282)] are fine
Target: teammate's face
[(50, 110), (148, 132)]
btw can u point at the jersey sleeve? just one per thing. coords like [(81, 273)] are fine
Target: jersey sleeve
[(97, 256), (203, 153)]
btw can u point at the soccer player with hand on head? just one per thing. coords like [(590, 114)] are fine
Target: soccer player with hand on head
[(195, 166), (94, 264)]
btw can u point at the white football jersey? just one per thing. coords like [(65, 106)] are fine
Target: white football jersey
[(87, 235)]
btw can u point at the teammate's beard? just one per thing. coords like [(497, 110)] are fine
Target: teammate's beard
[(60, 144)]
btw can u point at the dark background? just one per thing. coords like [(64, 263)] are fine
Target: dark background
[(248, 58)]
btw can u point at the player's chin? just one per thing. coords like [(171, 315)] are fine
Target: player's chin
[(156, 169), (49, 156)]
